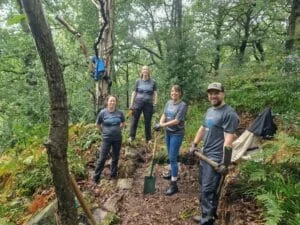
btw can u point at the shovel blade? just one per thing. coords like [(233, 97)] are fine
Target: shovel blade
[(149, 184)]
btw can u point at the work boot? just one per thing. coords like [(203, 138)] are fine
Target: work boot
[(172, 189), (113, 176), (207, 221), (96, 179)]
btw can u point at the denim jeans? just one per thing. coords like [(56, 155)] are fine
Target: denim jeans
[(104, 151), (147, 110), (173, 143)]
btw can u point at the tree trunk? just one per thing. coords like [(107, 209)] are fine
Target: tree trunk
[(105, 47), (246, 35), (58, 132), (293, 31), (217, 35)]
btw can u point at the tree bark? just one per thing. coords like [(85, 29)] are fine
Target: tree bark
[(58, 132), (293, 30), (105, 47), (246, 34)]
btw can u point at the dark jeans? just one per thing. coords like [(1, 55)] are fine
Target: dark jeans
[(147, 109), (104, 150), (209, 182), (173, 143)]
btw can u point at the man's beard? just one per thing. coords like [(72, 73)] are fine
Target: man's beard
[(216, 103)]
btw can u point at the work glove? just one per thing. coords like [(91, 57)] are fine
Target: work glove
[(157, 127), (193, 148), (227, 153)]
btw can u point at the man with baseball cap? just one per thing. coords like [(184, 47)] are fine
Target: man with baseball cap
[(217, 133)]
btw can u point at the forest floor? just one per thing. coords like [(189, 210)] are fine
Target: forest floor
[(133, 207)]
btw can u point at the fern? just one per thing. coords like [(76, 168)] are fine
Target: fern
[(259, 175), (273, 208)]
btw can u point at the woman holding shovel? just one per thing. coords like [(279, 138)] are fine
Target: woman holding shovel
[(173, 120), (110, 120)]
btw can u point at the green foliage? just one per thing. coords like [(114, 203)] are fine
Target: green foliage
[(274, 211), (9, 212), (275, 186), (110, 219), (195, 117), (84, 136), (186, 214), (15, 19), (77, 164), (36, 174)]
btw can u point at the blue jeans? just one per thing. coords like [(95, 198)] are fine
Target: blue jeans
[(173, 143)]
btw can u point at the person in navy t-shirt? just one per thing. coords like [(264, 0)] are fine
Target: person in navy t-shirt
[(143, 100), (110, 120)]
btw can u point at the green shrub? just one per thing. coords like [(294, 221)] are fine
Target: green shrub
[(275, 185)]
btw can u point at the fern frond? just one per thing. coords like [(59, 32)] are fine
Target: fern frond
[(258, 175), (273, 208)]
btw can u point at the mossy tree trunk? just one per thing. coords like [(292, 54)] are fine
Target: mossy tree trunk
[(58, 132)]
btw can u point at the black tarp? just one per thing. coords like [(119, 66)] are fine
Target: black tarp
[(263, 125)]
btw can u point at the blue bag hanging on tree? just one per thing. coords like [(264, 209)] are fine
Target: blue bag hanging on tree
[(99, 68)]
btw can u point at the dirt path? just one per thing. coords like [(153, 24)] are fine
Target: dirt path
[(135, 208), (155, 209)]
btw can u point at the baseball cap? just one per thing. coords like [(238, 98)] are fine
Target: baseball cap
[(215, 86)]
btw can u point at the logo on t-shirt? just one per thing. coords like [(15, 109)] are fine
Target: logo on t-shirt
[(209, 122)]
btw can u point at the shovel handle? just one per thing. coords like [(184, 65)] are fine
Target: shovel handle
[(153, 155), (220, 168), (206, 159)]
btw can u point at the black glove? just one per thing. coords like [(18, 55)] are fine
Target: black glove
[(227, 152), (157, 127), (193, 148)]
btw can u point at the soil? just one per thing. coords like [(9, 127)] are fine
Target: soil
[(136, 208)]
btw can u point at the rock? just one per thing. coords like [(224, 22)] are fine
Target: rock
[(99, 215), (111, 204), (125, 184)]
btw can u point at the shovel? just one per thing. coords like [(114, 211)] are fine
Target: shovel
[(220, 168), (149, 181)]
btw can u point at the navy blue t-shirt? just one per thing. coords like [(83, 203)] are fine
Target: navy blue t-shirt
[(110, 123), (144, 90), (175, 111), (217, 121)]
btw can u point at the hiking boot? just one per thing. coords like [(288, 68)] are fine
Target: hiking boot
[(196, 219), (207, 221), (113, 176), (167, 175), (172, 189), (96, 179)]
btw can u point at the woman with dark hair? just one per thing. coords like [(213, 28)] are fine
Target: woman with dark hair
[(110, 120), (143, 99), (173, 119)]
